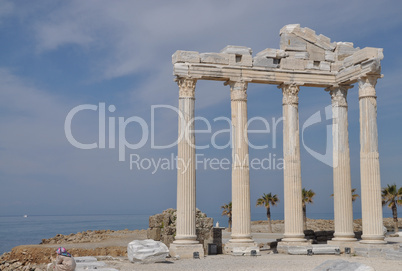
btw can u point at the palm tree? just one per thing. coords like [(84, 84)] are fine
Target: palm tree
[(354, 196), (307, 197), (393, 196), (227, 210), (267, 200)]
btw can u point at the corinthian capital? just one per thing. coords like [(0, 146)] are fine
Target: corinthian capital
[(238, 90), (186, 87), (290, 93), (338, 95), (367, 86)]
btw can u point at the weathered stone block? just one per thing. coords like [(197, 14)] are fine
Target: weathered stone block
[(325, 43), (329, 56), (304, 33), (147, 251), (315, 53), (309, 35), (266, 62), (272, 53), (290, 42), (324, 249), (325, 66), (344, 49), (186, 251), (241, 60), (238, 50), (336, 66), (290, 28), (363, 55), (293, 64), (268, 52), (186, 56), (155, 221), (215, 58), (299, 55), (154, 233), (313, 65)]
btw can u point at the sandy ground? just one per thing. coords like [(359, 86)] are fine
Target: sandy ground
[(264, 262), (115, 245)]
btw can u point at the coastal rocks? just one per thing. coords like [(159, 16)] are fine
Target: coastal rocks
[(80, 237), (9, 264), (162, 227), (86, 236), (147, 251)]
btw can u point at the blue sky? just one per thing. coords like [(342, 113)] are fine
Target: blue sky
[(56, 55)]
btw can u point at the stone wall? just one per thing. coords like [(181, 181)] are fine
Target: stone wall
[(162, 227)]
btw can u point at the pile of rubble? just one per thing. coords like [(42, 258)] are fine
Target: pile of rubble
[(162, 227)]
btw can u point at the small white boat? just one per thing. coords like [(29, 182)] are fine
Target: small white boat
[(25, 216)]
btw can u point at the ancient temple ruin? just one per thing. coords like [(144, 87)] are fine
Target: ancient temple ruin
[(304, 59)]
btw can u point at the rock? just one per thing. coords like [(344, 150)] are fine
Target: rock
[(147, 251), (165, 225), (342, 265), (154, 233)]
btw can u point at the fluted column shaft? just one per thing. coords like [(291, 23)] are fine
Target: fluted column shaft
[(292, 169), (241, 220), (186, 188), (343, 206), (372, 219)]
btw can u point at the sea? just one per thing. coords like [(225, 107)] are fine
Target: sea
[(21, 230)]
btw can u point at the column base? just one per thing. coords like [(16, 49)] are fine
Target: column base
[(185, 251), (241, 249), (293, 238), (379, 242), (344, 239), (373, 239)]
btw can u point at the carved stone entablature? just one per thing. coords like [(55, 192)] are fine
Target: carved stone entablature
[(367, 86), (290, 93), (304, 56), (238, 90), (339, 95), (186, 87)]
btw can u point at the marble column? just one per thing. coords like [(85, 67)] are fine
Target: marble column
[(343, 208), (372, 219), (241, 220), (186, 190), (292, 170)]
